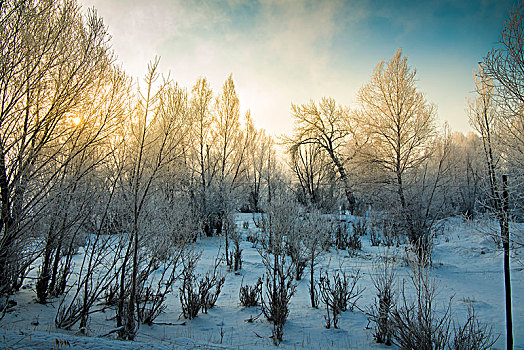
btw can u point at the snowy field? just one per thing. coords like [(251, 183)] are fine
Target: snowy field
[(466, 264)]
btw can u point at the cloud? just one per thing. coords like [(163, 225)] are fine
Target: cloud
[(291, 51), (282, 55)]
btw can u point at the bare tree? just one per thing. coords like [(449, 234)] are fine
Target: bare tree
[(314, 173), (332, 128), (205, 159), (51, 59), (467, 170), (155, 135), (258, 152), (503, 68), (400, 123), (231, 152), (484, 118)]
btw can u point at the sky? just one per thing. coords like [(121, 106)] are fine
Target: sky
[(283, 52)]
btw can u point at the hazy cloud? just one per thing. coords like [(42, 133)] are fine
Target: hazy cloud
[(290, 51)]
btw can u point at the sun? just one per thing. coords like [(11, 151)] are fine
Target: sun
[(76, 120)]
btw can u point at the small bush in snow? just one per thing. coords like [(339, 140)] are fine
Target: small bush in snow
[(473, 335), (381, 311), (341, 236), (354, 241), (250, 295), (210, 287), (360, 227), (237, 252), (417, 323), (374, 236), (345, 239), (199, 293), (280, 221), (189, 297), (338, 294)]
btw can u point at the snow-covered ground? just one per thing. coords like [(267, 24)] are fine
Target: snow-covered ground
[(466, 264)]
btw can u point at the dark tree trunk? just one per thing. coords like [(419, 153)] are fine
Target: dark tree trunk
[(507, 279), (44, 277), (54, 272), (312, 293)]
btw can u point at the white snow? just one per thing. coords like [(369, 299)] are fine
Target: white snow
[(467, 265)]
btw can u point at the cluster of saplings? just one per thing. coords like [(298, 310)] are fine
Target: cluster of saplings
[(408, 316)]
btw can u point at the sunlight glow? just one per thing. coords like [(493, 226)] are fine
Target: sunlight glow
[(76, 120)]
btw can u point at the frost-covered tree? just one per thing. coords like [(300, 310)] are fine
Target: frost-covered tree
[(53, 59), (400, 124), (315, 174), (333, 129), (155, 135)]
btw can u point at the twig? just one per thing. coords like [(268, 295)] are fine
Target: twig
[(261, 337), (169, 323), (114, 330)]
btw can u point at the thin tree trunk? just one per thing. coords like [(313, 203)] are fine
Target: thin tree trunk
[(312, 283), (507, 279)]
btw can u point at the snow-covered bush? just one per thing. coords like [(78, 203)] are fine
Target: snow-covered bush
[(279, 288), (280, 221), (374, 236), (236, 253), (360, 227), (199, 293), (317, 230), (297, 251), (354, 241), (341, 236)]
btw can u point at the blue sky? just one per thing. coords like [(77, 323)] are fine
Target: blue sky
[(281, 52)]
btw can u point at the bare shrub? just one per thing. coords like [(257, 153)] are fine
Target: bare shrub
[(360, 227), (152, 295), (199, 293), (253, 238), (189, 296), (390, 233), (210, 287), (317, 231), (381, 311), (297, 251), (279, 221), (341, 236), (385, 231), (473, 335), (250, 295), (374, 236), (279, 290), (338, 294), (354, 241), (346, 238), (237, 252), (418, 325)]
